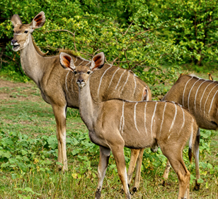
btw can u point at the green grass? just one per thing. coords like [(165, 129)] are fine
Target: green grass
[(28, 156)]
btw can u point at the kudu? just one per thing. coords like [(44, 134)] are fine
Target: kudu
[(200, 97), (115, 124), (58, 86)]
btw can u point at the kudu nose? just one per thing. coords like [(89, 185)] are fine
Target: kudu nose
[(13, 41), (80, 81)]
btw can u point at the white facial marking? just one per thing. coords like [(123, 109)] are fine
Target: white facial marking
[(152, 119), (208, 97), (184, 91), (204, 92), (102, 77), (174, 118), (196, 94), (191, 91), (145, 117), (135, 117), (75, 61), (212, 102), (120, 79), (165, 104), (113, 77)]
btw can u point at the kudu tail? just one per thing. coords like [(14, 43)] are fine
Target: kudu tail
[(192, 142)]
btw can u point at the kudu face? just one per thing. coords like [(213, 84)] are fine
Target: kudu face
[(82, 73), (22, 32)]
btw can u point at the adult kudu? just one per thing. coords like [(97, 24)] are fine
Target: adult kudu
[(58, 86), (115, 124), (200, 97)]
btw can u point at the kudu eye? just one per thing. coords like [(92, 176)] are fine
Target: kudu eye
[(88, 72), (26, 31), (75, 72)]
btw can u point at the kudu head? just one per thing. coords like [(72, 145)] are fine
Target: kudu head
[(82, 72), (22, 31)]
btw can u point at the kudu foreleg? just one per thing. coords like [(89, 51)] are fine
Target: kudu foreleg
[(102, 167), (118, 153), (196, 155), (166, 172), (60, 117)]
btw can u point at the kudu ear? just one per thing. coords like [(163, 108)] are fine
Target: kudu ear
[(97, 61), (38, 20), (67, 61), (15, 19)]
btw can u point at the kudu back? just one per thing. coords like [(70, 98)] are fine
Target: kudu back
[(58, 86), (115, 124)]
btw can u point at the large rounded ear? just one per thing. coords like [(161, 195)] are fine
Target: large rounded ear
[(97, 61), (67, 61), (15, 19), (38, 20)]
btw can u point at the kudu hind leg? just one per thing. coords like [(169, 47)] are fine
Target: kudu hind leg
[(175, 158), (102, 167), (166, 173), (138, 171), (60, 117)]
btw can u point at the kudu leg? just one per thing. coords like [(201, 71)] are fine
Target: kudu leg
[(138, 171), (118, 153), (196, 155), (133, 159), (102, 167), (166, 172), (175, 158), (60, 117)]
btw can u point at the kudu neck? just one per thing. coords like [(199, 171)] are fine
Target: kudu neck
[(87, 107), (32, 63)]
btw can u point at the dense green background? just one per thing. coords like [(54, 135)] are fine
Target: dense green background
[(153, 38)]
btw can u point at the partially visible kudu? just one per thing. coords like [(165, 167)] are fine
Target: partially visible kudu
[(58, 86), (200, 97), (115, 124)]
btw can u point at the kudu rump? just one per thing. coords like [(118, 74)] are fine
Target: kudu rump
[(115, 124), (58, 86), (200, 97)]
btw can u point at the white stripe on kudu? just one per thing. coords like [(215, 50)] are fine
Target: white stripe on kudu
[(165, 104), (191, 91), (125, 82), (122, 122), (197, 93), (66, 81), (145, 118), (208, 97), (135, 84), (184, 91), (204, 92), (113, 77), (120, 79), (135, 117), (152, 119), (212, 102), (102, 77), (183, 123), (174, 118)]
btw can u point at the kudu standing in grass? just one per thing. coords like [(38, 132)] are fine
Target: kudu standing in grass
[(115, 124), (58, 86), (200, 97)]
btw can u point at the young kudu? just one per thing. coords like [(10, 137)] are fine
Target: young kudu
[(115, 124), (58, 86), (200, 97)]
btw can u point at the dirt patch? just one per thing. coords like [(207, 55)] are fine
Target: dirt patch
[(18, 90)]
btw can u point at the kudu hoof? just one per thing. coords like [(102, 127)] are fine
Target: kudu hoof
[(197, 186), (134, 189), (163, 183), (98, 194)]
